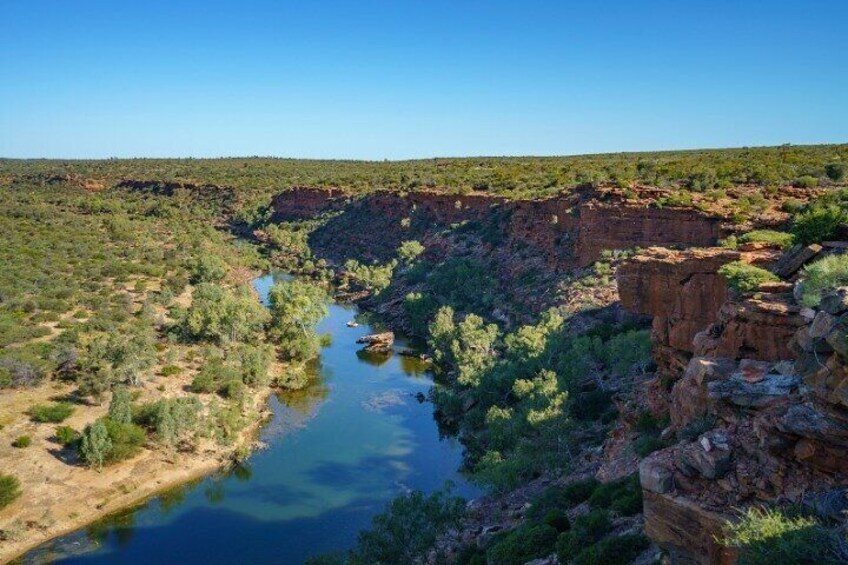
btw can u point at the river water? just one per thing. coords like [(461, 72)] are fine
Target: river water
[(337, 452)]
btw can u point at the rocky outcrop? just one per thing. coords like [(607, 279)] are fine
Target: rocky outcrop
[(694, 313), (681, 290), (565, 231), (378, 343)]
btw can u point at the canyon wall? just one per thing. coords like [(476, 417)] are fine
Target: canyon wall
[(566, 231)]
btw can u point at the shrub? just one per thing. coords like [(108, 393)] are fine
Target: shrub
[(835, 171), (522, 545), (580, 491), (408, 527), (22, 442), (818, 223), (558, 498), (170, 370), (558, 520), (695, 428), (54, 413), (771, 536), (647, 444), (587, 530), (591, 405), (777, 238), (624, 496), (807, 182), (127, 440), (66, 435), (743, 277), (618, 550), (10, 490), (822, 276)]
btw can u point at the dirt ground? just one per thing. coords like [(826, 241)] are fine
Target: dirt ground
[(60, 496)]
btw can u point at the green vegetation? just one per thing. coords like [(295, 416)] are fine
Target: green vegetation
[(822, 276), (53, 413), (523, 544), (66, 436), (743, 277), (404, 531), (779, 239), (774, 536), (295, 309), (527, 402), (10, 490), (818, 223), (699, 170), (22, 442)]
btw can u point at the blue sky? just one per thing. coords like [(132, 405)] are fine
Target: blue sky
[(404, 79)]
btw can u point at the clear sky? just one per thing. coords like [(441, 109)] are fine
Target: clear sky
[(400, 79)]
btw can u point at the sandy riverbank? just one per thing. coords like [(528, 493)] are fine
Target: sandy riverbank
[(60, 497)]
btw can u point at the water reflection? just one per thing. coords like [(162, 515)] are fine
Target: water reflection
[(338, 450)]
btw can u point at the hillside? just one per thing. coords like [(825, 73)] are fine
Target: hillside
[(633, 349)]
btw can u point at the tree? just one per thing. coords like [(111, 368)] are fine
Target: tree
[(295, 309), (408, 527), (465, 348), (95, 444), (120, 408), (219, 314)]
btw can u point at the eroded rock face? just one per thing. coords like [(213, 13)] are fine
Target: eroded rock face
[(758, 328), (685, 529), (683, 292)]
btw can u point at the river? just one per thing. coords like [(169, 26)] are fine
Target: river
[(336, 453)]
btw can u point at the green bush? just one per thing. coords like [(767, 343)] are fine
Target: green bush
[(590, 406), (777, 238), (66, 435), (623, 497), (818, 223), (586, 530), (127, 440), (10, 490), (558, 520), (822, 276), (522, 545), (557, 498), (770, 536), (743, 277), (807, 182), (22, 442), (647, 444), (170, 370), (618, 550), (53, 414), (835, 171)]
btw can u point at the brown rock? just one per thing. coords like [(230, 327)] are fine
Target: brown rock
[(795, 258), (689, 397), (655, 476), (685, 529), (835, 302), (822, 324)]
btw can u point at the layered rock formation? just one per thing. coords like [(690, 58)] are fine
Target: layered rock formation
[(565, 231), (759, 402)]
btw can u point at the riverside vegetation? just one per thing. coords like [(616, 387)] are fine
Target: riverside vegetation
[(116, 290)]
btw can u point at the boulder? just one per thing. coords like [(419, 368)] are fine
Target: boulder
[(378, 343), (822, 324), (689, 397), (737, 391), (655, 476), (795, 258), (703, 458), (835, 302)]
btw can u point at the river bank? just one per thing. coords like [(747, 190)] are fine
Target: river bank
[(62, 497), (336, 453)]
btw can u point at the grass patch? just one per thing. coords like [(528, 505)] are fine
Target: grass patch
[(51, 414), (745, 278)]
